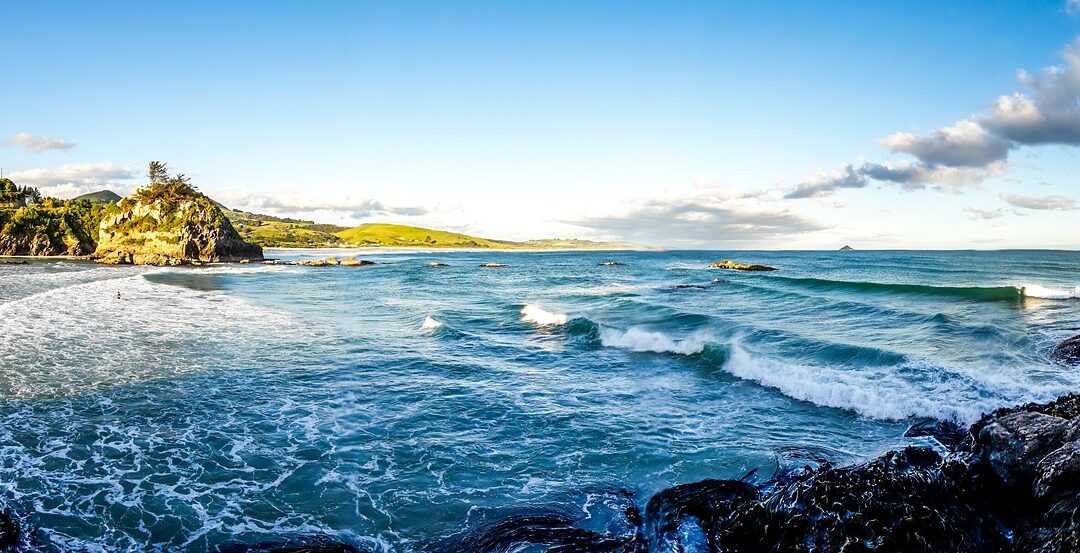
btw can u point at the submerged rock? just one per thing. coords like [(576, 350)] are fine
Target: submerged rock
[(304, 544), (492, 265), (1067, 352), (729, 264), (437, 264), (611, 264)]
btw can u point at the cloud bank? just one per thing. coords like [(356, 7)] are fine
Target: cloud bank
[(1051, 203), (72, 180), (972, 149), (37, 144), (701, 219)]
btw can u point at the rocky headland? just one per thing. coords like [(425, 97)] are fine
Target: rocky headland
[(169, 223)]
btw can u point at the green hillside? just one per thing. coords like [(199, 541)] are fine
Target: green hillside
[(100, 197), (277, 232), (402, 236)]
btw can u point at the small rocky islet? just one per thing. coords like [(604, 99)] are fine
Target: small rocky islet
[(729, 264)]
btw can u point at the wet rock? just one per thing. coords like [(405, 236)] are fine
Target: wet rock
[(437, 264), (946, 433), (354, 262), (492, 265), (11, 533), (1013, 444), (702, 509), (1010, 484), (1067, 352), (305, 544), (729, 264), (611, 264)]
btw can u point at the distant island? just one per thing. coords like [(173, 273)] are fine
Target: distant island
[(168, 222), (846, 248)]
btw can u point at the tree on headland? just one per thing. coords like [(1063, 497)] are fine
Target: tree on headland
[(158, 172)]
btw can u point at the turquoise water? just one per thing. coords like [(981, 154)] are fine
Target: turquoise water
[(398, 406)]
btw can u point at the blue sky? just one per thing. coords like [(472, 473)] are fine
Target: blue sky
[(682, 124)]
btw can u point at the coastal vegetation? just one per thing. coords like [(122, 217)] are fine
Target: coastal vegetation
[(33, 225), (168, 211), (169, 222)]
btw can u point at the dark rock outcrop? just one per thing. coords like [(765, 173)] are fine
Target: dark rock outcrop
[(1067, 352), (304, 544), (729, 264), (1010, 483)]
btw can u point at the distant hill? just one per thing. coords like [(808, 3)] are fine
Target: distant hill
[(278, 232), (846, 248), (403, 236), (100, 197)]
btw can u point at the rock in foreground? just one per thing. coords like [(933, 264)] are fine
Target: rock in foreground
[(1011, 485), (1067, 352), (729, 264), (169, 223)]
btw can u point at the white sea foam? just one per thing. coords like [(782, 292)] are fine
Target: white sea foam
[(532, 313), (876, 394), (75, 338), (1042, 292), (430, 324), (640, 340)]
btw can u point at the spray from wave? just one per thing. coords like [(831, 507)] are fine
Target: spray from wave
[(640, 340), (1042, 292), (430, 324), (534, 314)]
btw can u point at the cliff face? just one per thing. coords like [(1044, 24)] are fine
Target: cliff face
[(169, 224), (51, 227)]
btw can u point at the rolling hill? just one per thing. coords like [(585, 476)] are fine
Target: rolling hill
[(100, 197)]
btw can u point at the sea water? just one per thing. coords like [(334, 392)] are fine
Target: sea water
[(398, 405)]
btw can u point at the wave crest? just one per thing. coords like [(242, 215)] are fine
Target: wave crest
[(640, 340), (1042, 292), (532, 313), (430, 324)]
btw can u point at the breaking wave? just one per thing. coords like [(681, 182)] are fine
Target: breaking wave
[(641, 340), (430, 324), (532, 313)]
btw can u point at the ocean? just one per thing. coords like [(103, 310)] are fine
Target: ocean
[(400, 406)]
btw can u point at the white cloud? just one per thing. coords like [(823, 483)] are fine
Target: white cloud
[(705, 218), (984, 213), (37, 144), (964, 144), (971, 150), (74, 179), (1052, 203), (1072, 6), (294, 202), (1051, 114)]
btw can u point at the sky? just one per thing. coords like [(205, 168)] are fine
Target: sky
[(728, 125)]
